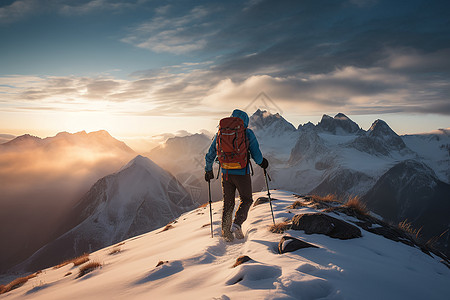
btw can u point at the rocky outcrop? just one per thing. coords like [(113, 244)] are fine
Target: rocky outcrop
[(319, 223), (291, 244)]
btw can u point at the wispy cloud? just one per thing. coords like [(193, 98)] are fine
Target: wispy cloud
[(20, 9), (17, 10), (362, 56), (173, 34)]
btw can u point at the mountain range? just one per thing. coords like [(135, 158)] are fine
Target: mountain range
[(398, 177), (336, 156)]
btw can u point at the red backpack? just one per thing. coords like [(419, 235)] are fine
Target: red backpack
[(232, 143)]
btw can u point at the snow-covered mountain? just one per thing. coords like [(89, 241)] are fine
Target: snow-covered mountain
[(139, 198), (411, 190), (184, 157), (99, 139), (184, 262), (337, 157), (340, 124), (39, 176)]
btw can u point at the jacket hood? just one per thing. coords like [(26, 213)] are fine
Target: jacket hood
[(241, 114)]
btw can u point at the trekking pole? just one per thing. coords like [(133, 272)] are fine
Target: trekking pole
[(268, 195), (210, 206)]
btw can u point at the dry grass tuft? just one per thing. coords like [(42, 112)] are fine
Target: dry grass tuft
[(115, 250), (356, 204), (76, 261), (67, 274), (87, 268), (407, 228), (297, 204), (432, 241), (327, 198), (16, 283), (168, 226), (80, 260), (280, 227), (204, 205)]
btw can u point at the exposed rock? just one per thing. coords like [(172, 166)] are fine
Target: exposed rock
[(343, 182), (380, 139), (291, 244), (308, 146), (324, 224), (241, 259), (338, 125), (275, 123)]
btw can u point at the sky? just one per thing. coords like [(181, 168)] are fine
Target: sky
[(144, 68)]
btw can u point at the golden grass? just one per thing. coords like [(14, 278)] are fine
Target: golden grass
[(204, 205), (16, 283), (297, 204), (327, 198), (168, 226), (81, 260), (354, 202), (280, 227), (87, 268), (407, 228), (76, 261), (115, 250)]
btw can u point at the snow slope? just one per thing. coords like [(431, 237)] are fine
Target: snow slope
[(200, 267)]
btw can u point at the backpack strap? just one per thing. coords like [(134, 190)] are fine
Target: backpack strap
[(218, 172)]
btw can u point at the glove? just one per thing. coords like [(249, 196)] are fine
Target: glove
[(209, 175), (264, 164)]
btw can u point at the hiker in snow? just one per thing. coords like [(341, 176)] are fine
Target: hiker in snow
[(233, 145)]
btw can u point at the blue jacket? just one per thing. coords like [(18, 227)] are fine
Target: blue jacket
[(255, 152)]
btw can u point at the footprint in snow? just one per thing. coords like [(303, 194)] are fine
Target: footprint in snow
[(307, 287)]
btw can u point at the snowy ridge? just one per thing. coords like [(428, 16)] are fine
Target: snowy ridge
[(196, 266), (137, 199)]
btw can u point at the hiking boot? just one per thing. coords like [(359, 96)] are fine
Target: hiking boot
[(227, 236), (236, 229)]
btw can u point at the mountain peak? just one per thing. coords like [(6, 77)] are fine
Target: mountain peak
[(142, 162), (262, 119), (381, 128), (340, 124), (23, 139), (341, 116)]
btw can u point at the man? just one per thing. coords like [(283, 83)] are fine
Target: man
[(236, 178)]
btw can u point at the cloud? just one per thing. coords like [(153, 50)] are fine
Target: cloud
[(301, 53), (21, 9), (42, 180), (178, 34), (17, 10)]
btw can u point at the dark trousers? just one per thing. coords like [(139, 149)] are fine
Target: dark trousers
[(243, 183)]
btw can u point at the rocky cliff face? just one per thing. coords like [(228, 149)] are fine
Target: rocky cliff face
[(340, 124), (380, 139), (411, 191)]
